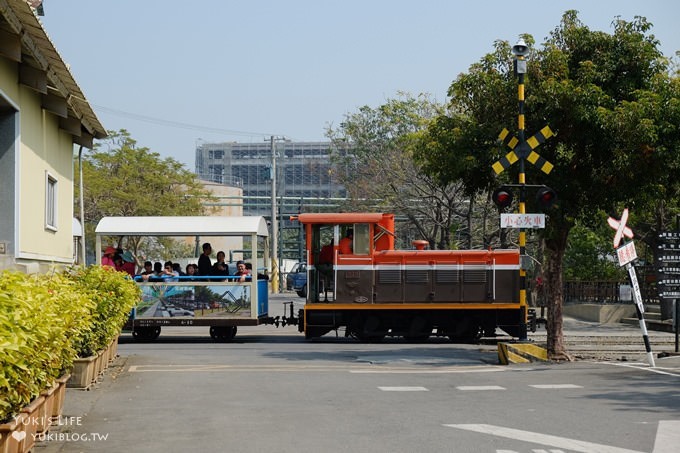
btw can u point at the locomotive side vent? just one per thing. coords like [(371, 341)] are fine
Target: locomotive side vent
[(417, 276), (389, 276), (447, 276), (474, 273)]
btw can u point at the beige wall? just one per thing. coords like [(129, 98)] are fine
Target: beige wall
[(43, 148)]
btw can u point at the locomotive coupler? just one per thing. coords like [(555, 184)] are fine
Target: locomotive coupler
[(287, 319)]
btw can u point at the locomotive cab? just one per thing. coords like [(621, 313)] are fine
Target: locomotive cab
[(340, 248)]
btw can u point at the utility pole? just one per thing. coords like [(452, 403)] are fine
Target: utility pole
[(274, 223)]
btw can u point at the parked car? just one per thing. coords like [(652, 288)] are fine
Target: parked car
[(296, 280), (180, 312)]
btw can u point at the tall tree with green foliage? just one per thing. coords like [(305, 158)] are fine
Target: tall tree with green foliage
[(374, 161), (122, 179), (614, 106)]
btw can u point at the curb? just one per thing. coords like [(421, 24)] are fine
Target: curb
[(521, 353)]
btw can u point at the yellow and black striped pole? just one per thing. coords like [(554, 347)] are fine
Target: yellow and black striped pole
[(522, 149), (520, 50)]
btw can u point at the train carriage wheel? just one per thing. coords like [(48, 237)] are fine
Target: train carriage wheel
[(223, 333), (146, 333)]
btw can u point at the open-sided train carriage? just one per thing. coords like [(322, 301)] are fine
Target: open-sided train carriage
[(220, 302)]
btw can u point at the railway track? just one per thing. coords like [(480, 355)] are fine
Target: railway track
[(623, 347)]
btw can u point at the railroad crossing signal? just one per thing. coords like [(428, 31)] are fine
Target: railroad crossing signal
[(545, 196), (524, 150), (620, 227), (627, 255)]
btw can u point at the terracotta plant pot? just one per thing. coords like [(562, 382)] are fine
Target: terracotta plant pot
[(12, 435), (45, 412), (30, 423), (83, 373), (60, 396)]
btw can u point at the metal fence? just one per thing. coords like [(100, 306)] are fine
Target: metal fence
[(608, 292)]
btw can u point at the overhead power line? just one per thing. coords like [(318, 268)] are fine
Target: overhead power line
[(177, 124)]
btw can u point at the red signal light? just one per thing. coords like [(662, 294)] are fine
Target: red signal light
[(546, 197), (502, 197)]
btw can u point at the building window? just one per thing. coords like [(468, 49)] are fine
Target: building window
[(50, 202), (216, 154)]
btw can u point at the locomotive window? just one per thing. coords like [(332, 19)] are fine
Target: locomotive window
[(361, 239)]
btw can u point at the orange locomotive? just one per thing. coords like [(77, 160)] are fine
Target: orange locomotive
[(374, 290)]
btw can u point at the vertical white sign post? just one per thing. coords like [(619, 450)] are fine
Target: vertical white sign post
[(627, 254)]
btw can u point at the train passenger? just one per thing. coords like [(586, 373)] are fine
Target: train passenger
[(204, 263), (191, 270), (346, 242), (220, 266), (242, 271), (326, 254), (107, 256), (128, 263), (325, 264), (169, 274), (148, 268), (156, 275), (178, 268)]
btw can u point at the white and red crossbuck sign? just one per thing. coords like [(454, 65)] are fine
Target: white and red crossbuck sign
[(620, 227)]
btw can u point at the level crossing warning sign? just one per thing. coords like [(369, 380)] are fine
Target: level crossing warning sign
[(522, 220), (627, 255)]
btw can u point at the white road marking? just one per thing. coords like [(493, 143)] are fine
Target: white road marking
[(403, 389), (426, 371), (556, 386), (667, 437), (480, 387), (646, 367), (543, 439), (533, 451), (180, 368)]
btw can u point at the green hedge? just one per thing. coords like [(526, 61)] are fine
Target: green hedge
[(46, 321)]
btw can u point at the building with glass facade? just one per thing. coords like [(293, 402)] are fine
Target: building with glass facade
[(304, 173)]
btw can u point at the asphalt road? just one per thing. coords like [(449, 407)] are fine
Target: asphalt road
[(270, 390)]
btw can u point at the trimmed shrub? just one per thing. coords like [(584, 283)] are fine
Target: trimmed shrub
[(46, 321)]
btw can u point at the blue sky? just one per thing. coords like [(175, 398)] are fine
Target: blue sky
[(175, 72)]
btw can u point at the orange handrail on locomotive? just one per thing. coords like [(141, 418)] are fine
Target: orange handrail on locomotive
[(377, 291)]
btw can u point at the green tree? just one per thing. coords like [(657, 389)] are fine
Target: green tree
[(589, 255), (374, 161), (121, 179), (614, 106)]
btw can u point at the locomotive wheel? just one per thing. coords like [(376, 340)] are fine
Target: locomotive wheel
[(223, 333), (316, 332), (471, 333), (367, 329), (419, 330)]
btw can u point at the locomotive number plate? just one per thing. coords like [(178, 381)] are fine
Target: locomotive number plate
[(352, 274)]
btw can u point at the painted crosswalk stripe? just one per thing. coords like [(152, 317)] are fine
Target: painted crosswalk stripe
[(480, 387), (542, 439), (667, 436), (403, 389), (556, 386)]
